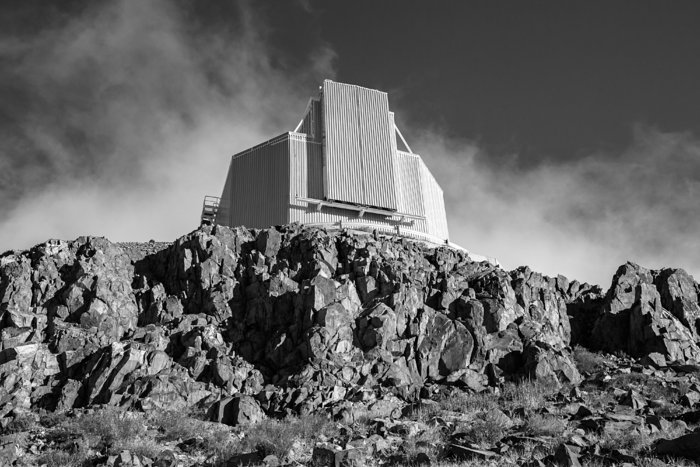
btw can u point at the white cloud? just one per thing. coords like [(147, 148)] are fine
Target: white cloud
[(125, 117), (580, 218)]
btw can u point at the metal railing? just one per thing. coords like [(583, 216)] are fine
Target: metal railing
[(210, 207)]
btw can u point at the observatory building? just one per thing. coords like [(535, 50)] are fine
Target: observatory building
[(345, 165)]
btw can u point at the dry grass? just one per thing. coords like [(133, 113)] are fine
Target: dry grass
[(278, 436), (587, 361), (527, 394), (430, 442), (544, 425), (468, 402)]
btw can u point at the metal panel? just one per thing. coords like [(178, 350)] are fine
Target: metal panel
[(311, 124), (377, 157), (392, 125), (259, 185), (223, 215), (434, 204), (409, 192), (305, 167), (306, 181), (357, 146)]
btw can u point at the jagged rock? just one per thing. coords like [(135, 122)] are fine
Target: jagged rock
[(329, 455), (634, 318), (679, 295), (687, 446), (546, 363), (567, 456), (237, 410)]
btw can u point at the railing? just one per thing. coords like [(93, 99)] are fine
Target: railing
[(210, 207)]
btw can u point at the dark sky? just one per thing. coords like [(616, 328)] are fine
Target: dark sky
[(564, 134), (545, 79)]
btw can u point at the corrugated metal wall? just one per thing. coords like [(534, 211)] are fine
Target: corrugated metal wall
[(259, 185), (434, 204), (409, 192), (306, 177), (311, 124), (223, 214), (358, 156)]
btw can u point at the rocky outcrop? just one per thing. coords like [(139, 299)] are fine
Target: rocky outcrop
[(296, 319), (650, 313)]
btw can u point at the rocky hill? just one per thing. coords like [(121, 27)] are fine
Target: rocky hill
[(236, 326)]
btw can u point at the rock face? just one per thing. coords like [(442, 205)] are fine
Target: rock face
[(649, 312), (294, 319)]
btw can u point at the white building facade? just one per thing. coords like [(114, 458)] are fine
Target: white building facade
[(341, 167)]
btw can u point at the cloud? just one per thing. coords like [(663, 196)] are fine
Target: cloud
[(119, 119), (580, 218)]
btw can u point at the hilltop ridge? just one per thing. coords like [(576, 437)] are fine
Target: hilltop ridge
[(240, 324)]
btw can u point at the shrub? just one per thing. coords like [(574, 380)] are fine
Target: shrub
[(587, 361), (276, 437), (112, 426), (544, 425), (486, 430), (527, 394), (20, 423)]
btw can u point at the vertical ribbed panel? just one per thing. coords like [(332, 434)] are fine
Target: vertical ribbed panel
[(223, 214), (306, 178), (305, 168), (434, 204), (358, 157), (392, 125), (311, 124), (259, 185), (409, 192), (375, 136), (343, 154)]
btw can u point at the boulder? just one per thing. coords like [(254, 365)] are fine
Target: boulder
[(687, 446), (236, 410)]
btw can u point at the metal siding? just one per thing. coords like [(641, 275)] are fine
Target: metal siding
[(377, 157), (409, 192), (306, 178), (260, 185), (358, 157), (223, 215), (311, 124), (343, 154), (305, 168), (434, 204), (392, 126)]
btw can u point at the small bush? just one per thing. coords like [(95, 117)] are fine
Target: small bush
[(587, 361), (57, 458), (527, 394), (544, 425), (112, 426), (276, 437), (19, 424), (486, 430)]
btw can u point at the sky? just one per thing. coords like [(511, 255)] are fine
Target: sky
[(565, 135)]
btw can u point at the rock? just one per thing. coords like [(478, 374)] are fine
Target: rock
[(687, 446), (330, 455), (567, 456), (634, 400), (460, 452), (634, 318), (245, 459), (690, 399), (237, 410), (269, 242)]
